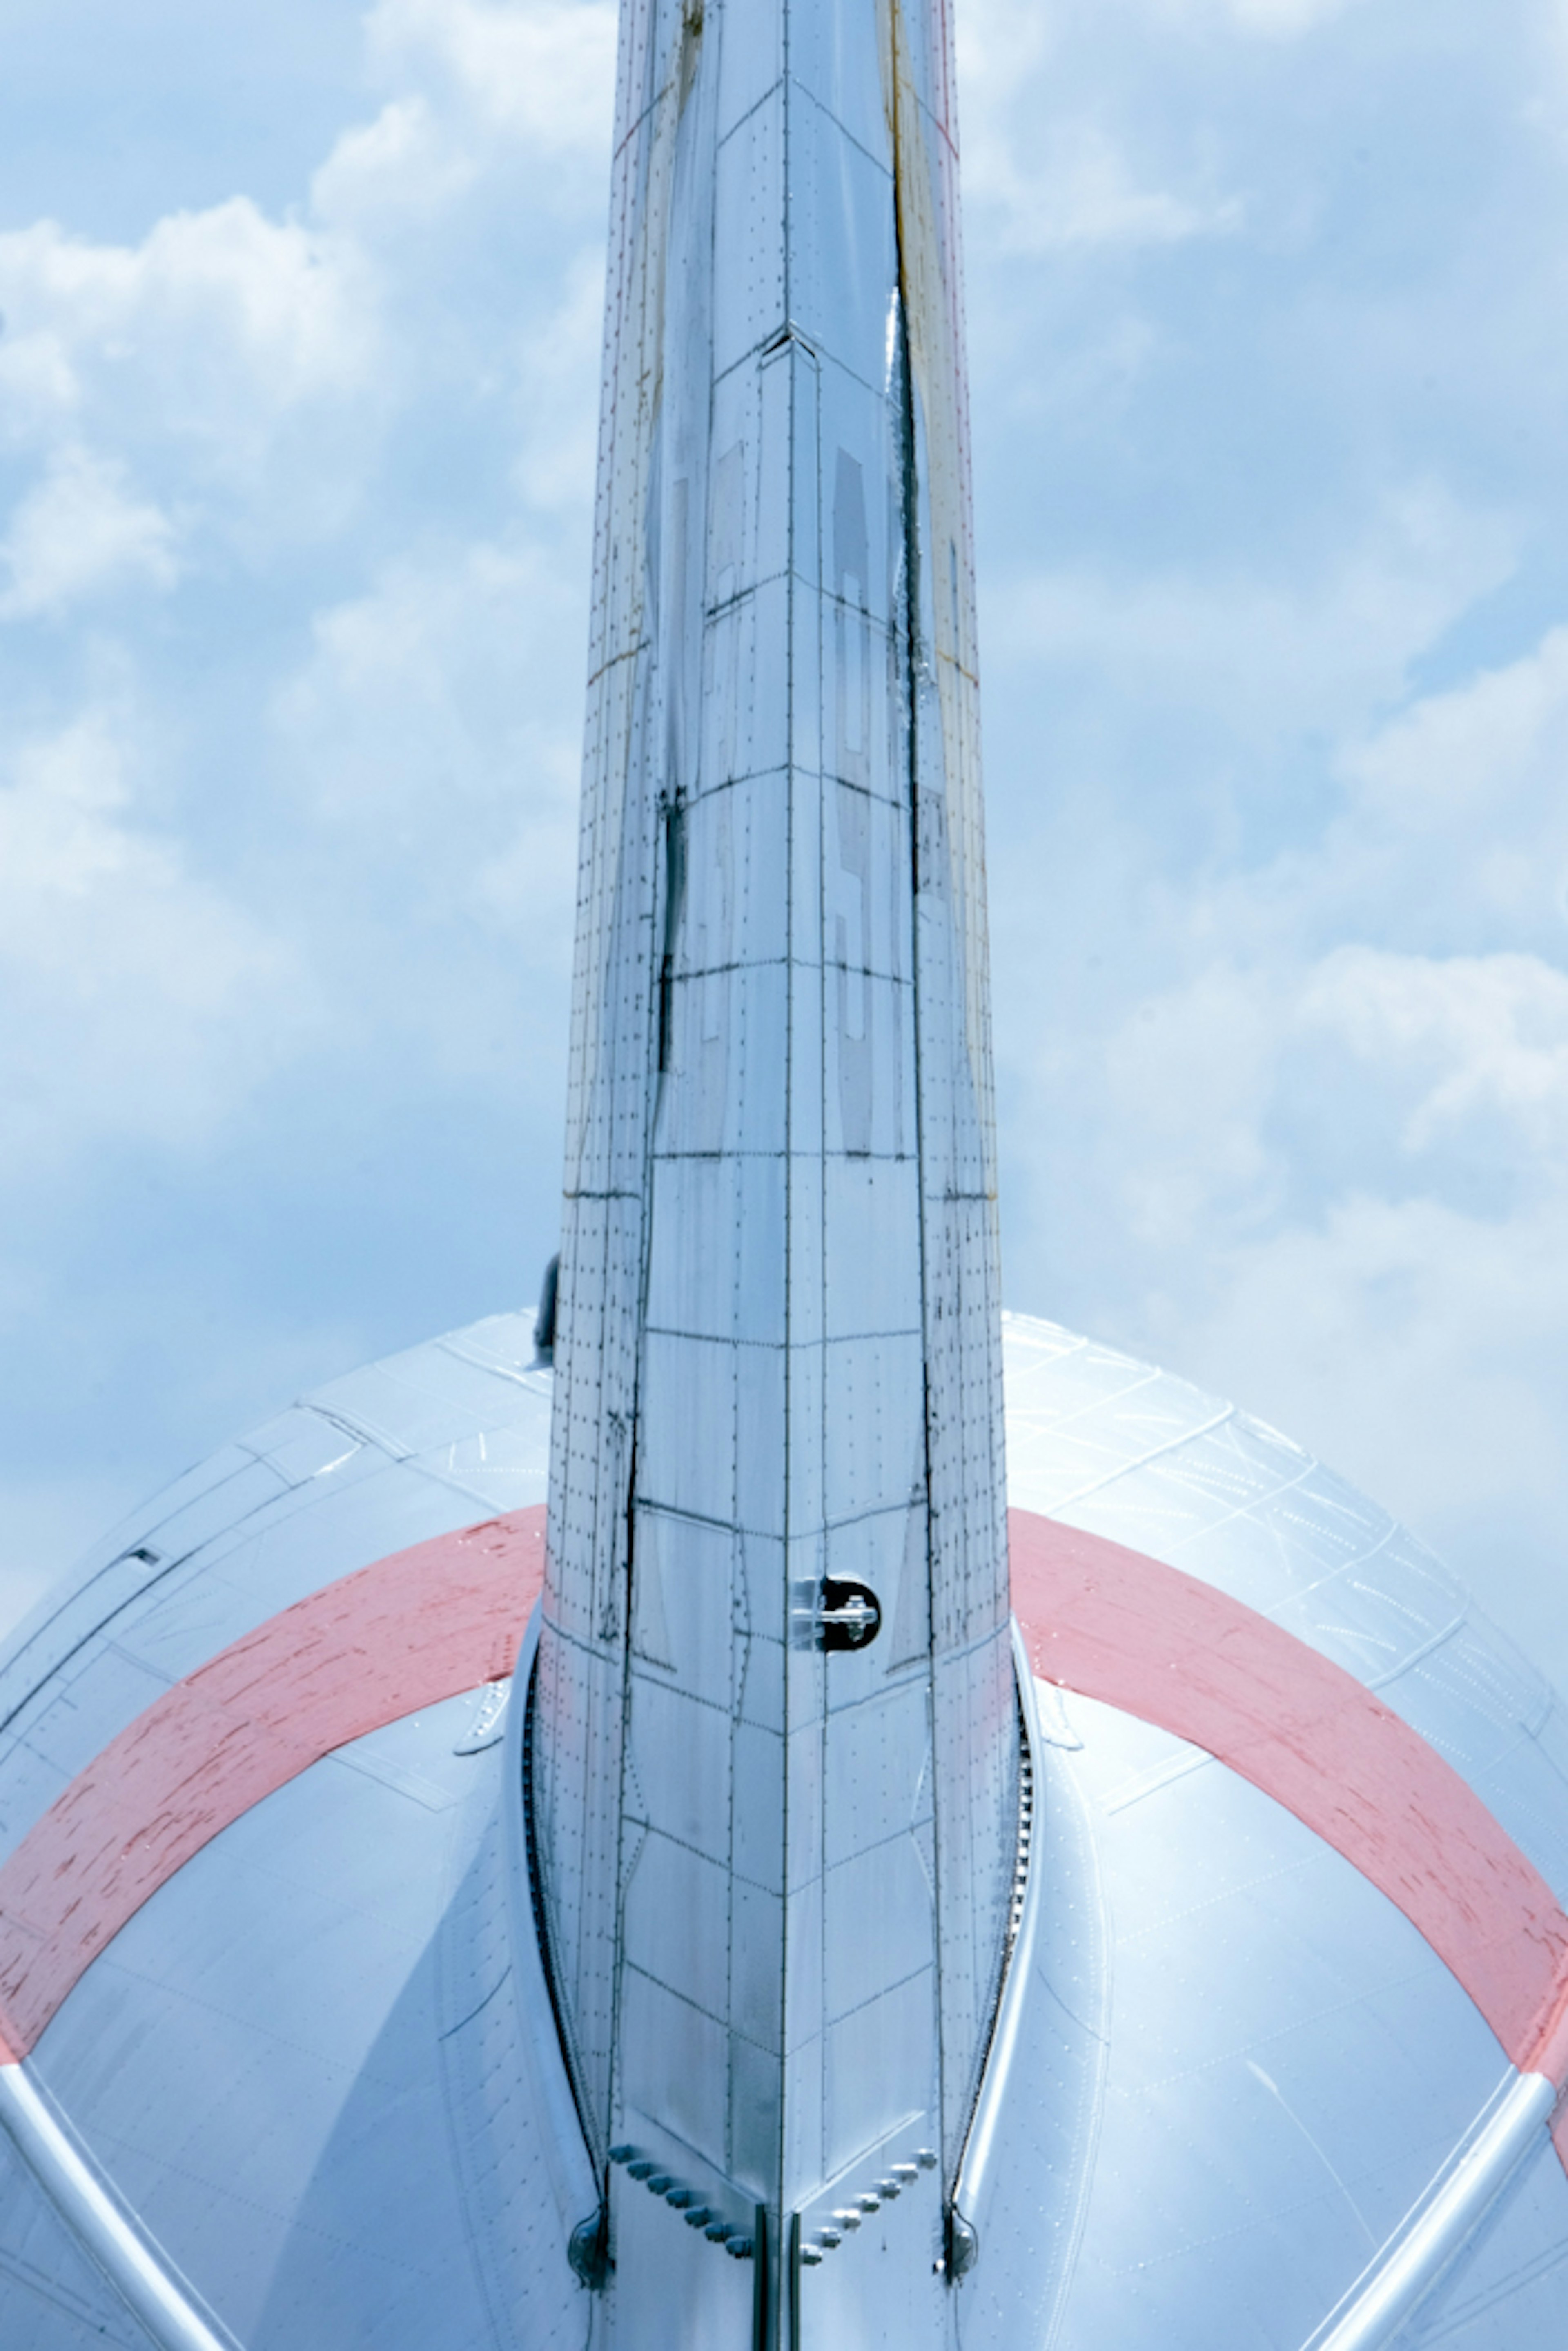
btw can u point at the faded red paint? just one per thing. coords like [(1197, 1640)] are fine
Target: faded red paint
[(445, 1616), (1114, 1625), (425, 1625)]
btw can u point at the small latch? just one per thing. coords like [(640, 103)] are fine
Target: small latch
[(489, 1723), (849, 1616)]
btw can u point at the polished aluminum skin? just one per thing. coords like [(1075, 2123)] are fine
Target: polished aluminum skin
[(777, 1876), (313, 2068), (766, 1962)]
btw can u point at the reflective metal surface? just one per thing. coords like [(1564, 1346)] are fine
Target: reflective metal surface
[(777, 1859), (142, 2278), (1287, 2068), (732, 1970), (320, 2069), (1477, 2172), (983, 2155)]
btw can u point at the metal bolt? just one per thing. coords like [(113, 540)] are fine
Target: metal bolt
[(905, 2172), (963, 2247), (661, 2183), (848, 2218), (829, 2238), (739, 2249), (640, 2170), (926, 2156), (699, 2217), (869, 2203), (810, 2255), (887, 2189), (622, 2154), (680, 2197)]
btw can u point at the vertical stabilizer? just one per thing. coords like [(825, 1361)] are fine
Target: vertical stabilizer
[(776, 1852)]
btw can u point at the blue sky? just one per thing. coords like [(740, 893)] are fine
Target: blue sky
[(1269, 368)]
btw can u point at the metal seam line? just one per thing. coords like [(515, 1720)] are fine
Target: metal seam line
[(163, 2303), (979, 2148), (1114, 1624), (573, 2180), (1404, 2270), (1111, 1624), (425, 1623), (1142, 1460)]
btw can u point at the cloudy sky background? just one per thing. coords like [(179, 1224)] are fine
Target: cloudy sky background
[(297, 381)]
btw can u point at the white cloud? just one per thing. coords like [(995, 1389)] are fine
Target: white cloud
[(420, 736), (1459, 808), (1084, 191), (1319, 1106), (1328, 642), (243, 368), (1399, 1310), (1064, 179), (1284, 19), (1279, 20), (1485, 1037), (1455, 754), (219, 315), (558, 430), (1313, 1106), (38, 387), (140, 998), (196, 408), (1188, 1074), (400, 170), (543, 69), (79, 533), (1418, 1348)]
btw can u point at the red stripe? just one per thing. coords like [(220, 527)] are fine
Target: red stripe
[(421, 1625), (445, 1616), (1116, 1625)]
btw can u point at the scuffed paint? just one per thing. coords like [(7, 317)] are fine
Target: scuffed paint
[(424, 1625), (1114, 1625)]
